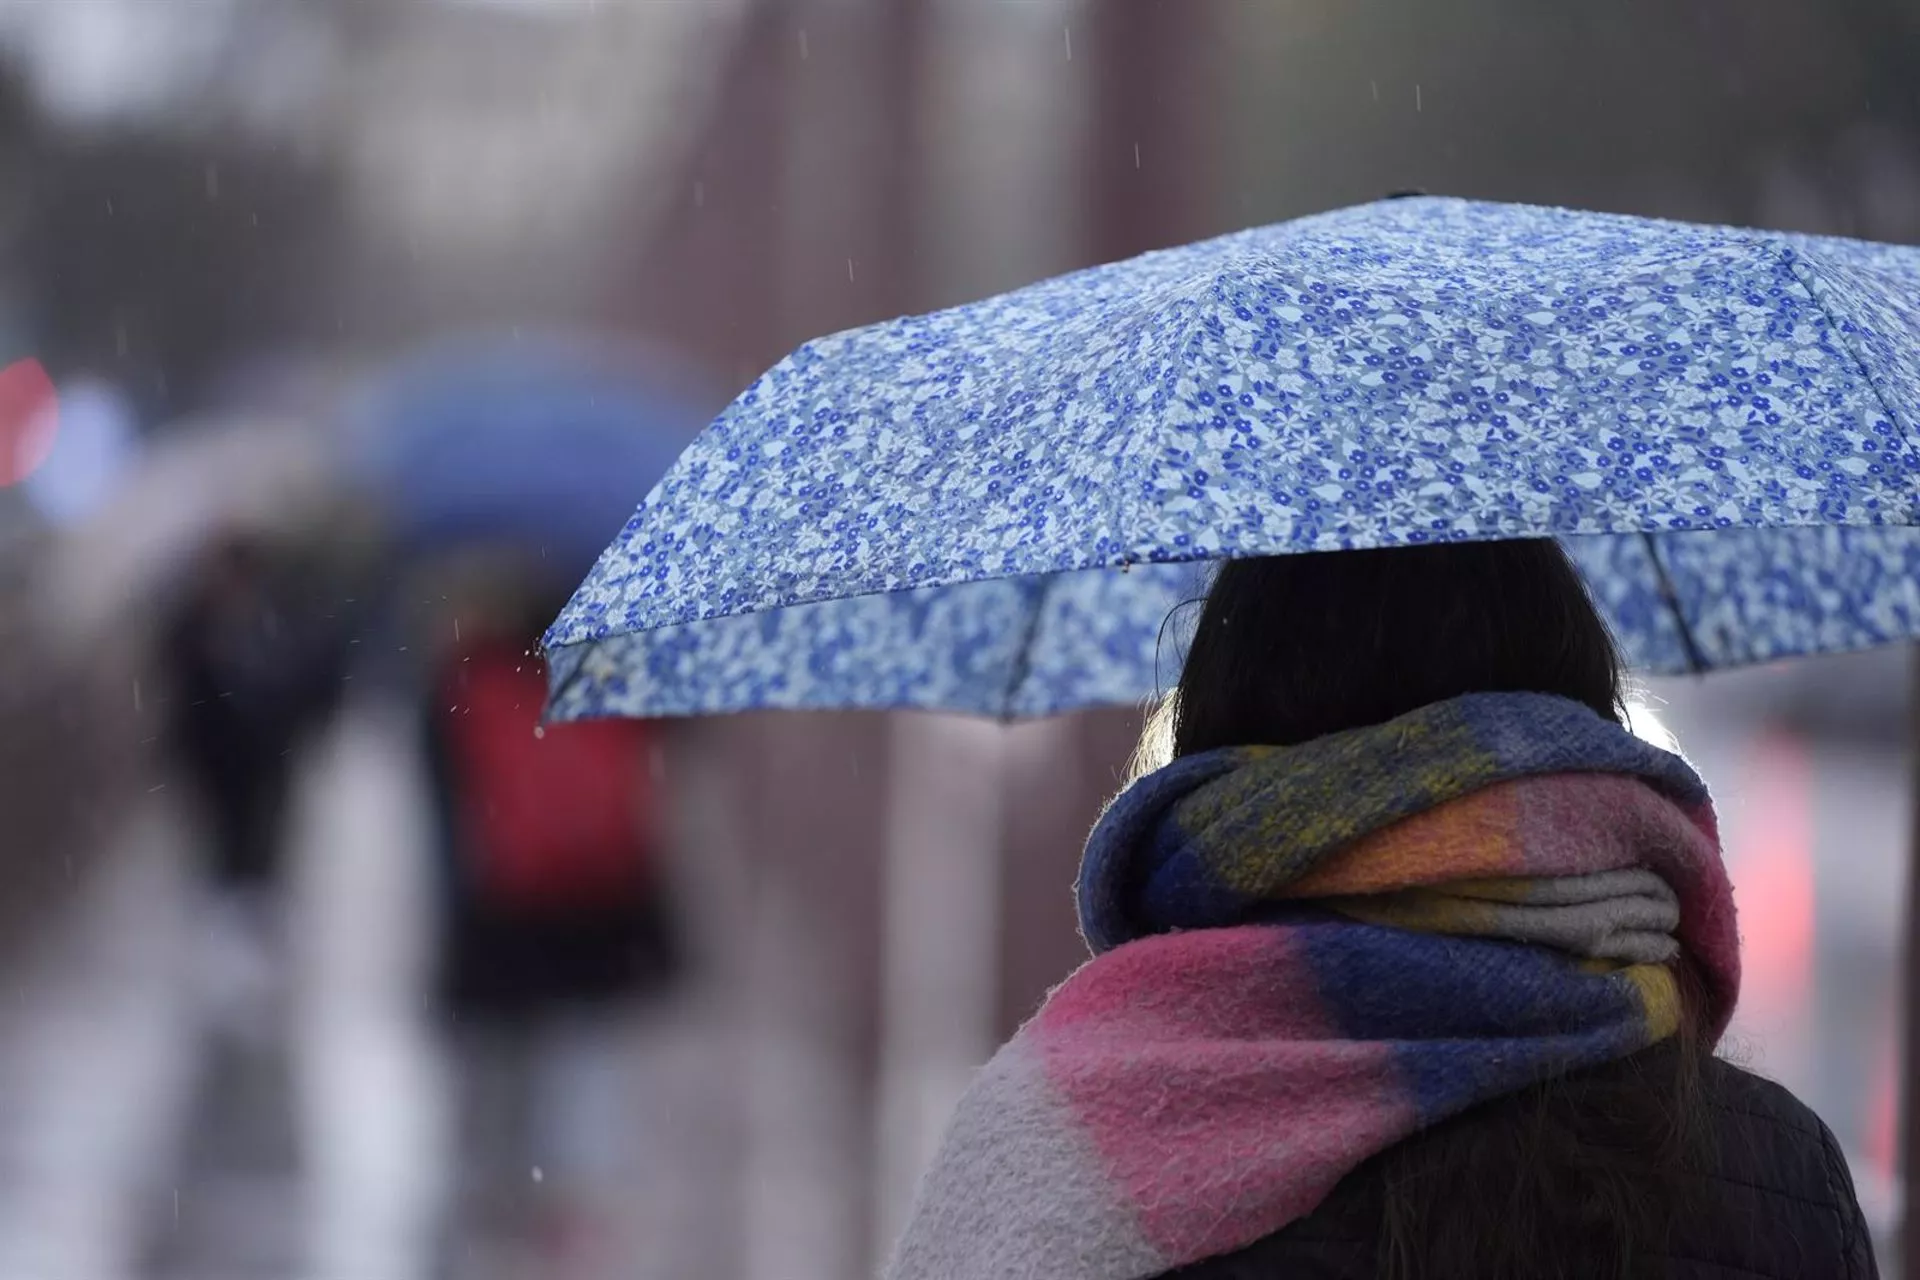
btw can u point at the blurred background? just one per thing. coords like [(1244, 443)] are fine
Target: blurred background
[(338, 335)]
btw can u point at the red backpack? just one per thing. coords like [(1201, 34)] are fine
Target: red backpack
[(550, 816)]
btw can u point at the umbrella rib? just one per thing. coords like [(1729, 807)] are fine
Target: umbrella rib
[(1023, 656), (558, 697), (1802, 267), (1672, 597)]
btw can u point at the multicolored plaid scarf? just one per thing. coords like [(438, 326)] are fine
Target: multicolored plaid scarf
[(1304, 955)]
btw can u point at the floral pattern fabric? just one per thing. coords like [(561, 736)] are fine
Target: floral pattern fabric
[(998, 507)]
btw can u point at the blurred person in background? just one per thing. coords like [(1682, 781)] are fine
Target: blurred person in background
[(1410, 961), (256, 651), (556, 927)]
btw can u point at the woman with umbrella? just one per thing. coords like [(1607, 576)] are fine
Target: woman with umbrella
[(1409, 956)]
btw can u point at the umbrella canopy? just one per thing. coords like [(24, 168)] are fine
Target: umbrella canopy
[(200, 482), (538, 442), (994, 508)]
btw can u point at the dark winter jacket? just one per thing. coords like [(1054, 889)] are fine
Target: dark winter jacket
[(1774, 1202), (254, 671)]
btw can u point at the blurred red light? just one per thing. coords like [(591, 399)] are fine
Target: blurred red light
[(29, 419)]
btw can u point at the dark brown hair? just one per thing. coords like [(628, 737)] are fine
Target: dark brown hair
[(1579, 1177), (1290, 648)]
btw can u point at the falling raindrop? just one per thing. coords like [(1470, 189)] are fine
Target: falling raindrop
[(1136, 155), (1418, 104), (539, 731), (538, 1174), (1068, 33), (804, 51), (1375, 86), (849, 270), (136, 695)]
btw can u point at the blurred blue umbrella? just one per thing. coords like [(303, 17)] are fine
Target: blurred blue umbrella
[(535, 442), (993, 509)]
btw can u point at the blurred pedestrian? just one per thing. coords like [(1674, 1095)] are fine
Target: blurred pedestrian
[(256, 651), (1410, 961), (556, 925)]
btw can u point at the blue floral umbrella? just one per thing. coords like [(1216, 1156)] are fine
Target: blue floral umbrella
[(995, 508)]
